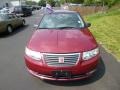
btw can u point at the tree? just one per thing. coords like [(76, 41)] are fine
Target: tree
[(108, 3), (62, 1), (31, 3), (57, 3), (51, 2), (42, 3), (71, 1), (111, 2), (76, 1), (88, 2)]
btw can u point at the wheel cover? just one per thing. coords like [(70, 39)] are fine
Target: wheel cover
[(23, 22), (9, 29)]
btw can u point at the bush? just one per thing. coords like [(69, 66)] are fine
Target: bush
[(108, 3), (111, 2), (51, 2), (42, 3)]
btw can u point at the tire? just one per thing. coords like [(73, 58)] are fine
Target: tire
[(23, 23), (9, 29)]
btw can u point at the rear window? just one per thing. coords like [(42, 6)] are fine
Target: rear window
[(18, 8)]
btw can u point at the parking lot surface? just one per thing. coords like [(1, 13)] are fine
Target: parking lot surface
[(14, 76)]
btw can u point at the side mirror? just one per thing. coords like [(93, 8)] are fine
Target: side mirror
[(35, 26), (88, 24)]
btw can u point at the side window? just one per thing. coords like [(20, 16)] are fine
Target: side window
[(11, 16), (18, 9), (15, 16)]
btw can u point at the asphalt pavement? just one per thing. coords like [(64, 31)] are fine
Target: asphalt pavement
[(14, 76)]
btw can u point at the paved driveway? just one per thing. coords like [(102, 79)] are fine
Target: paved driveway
[(13, 74)]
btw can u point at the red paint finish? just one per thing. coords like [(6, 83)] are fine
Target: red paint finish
[(63, 41), (81, 68)]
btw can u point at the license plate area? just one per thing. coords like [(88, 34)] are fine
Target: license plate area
[(61, 74)]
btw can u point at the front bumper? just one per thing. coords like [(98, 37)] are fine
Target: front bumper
[(74, 77), (82, 70)]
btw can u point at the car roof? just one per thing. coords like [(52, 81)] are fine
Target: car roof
[(7, 14)]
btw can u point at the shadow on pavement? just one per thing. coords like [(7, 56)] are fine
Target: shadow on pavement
[(17, 30), (96, 76)]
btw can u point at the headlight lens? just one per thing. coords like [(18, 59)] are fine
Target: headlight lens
[(33, 54), (89, 54)]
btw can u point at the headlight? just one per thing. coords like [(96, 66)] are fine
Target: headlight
[(89, 54), (33, 54)]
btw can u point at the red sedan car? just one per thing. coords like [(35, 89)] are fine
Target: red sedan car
[(62, 48)]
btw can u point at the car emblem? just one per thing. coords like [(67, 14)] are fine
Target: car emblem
[(61, 59)]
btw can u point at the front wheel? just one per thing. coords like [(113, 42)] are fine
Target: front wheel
[(23, 23), (9, 29)]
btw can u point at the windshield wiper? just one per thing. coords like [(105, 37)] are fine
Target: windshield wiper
[(66, 27), (44, 28), (62, 28)]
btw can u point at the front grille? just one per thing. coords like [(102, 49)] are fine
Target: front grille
[(68, 59)]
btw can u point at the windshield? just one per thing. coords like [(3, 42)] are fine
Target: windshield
[(3, 17), (59, 21)]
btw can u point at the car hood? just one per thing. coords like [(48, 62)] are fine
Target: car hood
[(62, 41)]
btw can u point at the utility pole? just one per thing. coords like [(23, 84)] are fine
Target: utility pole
[(20, 2)]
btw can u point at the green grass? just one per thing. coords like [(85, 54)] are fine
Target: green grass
[(106, 28)]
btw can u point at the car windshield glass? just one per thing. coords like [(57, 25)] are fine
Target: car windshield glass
[(3, 17), (61, 21), (17, 8)]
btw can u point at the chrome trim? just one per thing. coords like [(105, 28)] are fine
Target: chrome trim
[(70, 59)]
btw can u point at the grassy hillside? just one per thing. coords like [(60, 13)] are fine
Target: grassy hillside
[(106, 28)]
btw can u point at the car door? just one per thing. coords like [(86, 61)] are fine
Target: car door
[(13, 21), (3, 23), (2, 26), (19, 20)]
